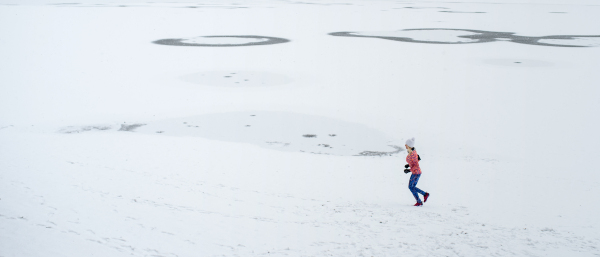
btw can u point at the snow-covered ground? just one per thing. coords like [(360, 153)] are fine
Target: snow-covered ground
[(283, 135)]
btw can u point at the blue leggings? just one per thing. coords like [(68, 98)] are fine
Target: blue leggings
[(412, 185)]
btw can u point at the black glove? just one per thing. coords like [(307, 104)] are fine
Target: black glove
[(406, 166), (406, 170)]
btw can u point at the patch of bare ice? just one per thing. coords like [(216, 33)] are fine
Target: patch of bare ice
[(282, 131)]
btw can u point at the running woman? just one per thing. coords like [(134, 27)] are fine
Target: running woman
[(413, 162)]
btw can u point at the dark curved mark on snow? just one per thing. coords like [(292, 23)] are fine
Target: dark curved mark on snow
[(178, 41), (482, 36)]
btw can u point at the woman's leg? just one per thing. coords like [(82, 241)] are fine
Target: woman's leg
[(412, 185), (417, 189)]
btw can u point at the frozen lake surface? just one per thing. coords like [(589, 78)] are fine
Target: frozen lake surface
[(254, 128)]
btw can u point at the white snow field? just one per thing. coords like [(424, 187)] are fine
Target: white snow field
[(277, 128)]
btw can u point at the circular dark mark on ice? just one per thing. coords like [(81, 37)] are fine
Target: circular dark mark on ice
[(222, 41)]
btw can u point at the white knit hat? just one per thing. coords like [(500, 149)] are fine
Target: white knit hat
[(411, 142)]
